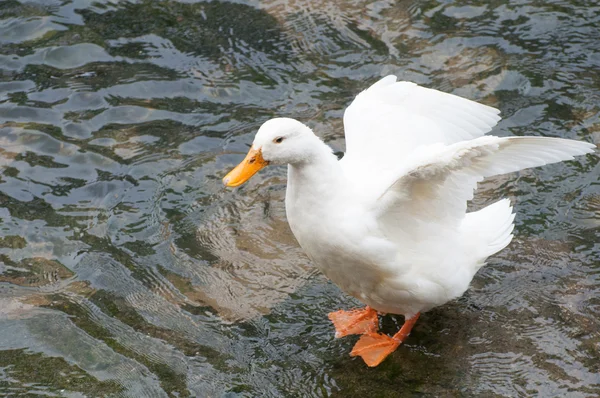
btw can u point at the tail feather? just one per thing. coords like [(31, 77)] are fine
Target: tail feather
[(488, 230)]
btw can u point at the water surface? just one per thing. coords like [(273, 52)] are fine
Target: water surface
[(126, 269)]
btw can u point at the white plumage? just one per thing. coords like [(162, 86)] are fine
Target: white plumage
[(388, 223)]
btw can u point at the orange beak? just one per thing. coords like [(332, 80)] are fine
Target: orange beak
[(246, 169)]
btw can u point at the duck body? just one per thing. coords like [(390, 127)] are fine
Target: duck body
[(391, 272), (344, 242), (388, 223)]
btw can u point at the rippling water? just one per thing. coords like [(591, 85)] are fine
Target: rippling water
[(127, 270)]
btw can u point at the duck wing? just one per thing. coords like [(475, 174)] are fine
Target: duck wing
[(428, 194), (389, 120)]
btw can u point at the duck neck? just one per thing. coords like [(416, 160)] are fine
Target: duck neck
[(315, 179)]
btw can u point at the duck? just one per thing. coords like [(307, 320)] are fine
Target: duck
[(388, 222)]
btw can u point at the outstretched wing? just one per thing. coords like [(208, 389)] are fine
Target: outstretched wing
[(389, 120), (433, 192)]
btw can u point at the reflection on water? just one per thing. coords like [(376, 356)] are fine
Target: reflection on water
[(127, 270)]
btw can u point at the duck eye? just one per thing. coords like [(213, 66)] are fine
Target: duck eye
[(278, 140)]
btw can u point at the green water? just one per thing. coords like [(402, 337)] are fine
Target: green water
[(126, 269)]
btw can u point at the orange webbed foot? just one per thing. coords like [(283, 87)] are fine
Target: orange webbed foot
[(375, 347), (354, 322)]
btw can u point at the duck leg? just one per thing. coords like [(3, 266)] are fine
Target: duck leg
[(354, 322), (375, 347)]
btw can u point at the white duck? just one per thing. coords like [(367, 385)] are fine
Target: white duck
[(388, 223)]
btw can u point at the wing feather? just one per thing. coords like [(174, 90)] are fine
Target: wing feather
[(422, 152), (439, 184), (389, 120)]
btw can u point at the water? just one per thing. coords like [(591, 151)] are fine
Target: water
[(128, 270)]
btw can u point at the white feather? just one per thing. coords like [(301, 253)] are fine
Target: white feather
[(437, 182), (389, 120)]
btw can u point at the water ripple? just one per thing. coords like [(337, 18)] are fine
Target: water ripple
[(127, 270)]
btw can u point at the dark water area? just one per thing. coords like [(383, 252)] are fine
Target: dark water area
[(126, 269)]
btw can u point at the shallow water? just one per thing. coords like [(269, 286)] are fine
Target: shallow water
[(128, 270)]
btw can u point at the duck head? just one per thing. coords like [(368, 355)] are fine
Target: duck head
[(278, 141)]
